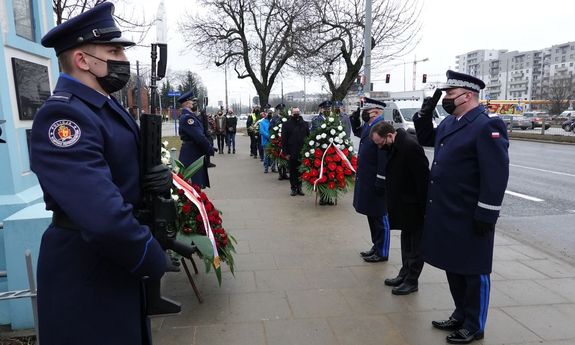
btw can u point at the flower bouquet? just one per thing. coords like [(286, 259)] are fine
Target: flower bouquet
[(328, 160), (274, 147), (198, 221)]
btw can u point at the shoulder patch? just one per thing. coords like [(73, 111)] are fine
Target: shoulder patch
[(190, 121), (64, 133)]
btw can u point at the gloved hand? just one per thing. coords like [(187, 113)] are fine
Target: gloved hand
[(379, 187), (482, 228), (158, 180), (429, 104), (355, 120)]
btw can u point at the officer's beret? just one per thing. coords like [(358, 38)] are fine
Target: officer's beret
[(325, 104), (187, 96), (370, 103), (280, 106), (337, 104), (461, 80), (93, 26), (267, 106)]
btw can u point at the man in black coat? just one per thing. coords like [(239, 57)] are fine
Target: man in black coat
[(407, 173), (294, 133)]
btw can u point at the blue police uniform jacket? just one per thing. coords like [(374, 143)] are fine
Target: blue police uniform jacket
[(84, 150), (467, 181), (316, 121), (371, 164), (194, 145)]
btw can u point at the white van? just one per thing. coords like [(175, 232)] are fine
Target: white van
[(400, 114)]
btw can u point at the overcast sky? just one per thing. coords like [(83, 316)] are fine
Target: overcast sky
[(450, 28)]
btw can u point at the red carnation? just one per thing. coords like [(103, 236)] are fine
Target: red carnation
[(342, 184), (186, 209), (329, 159), (306, 162), (181, 192), (318, 153), (337, 158), (209, 206), (323, 179), (347, 171), (305, 176), (203, 196), (199, 218), (331, 166), (197, 188), (331, 185), (331, 176), (317, 163), (340, 177), (345, 152), (339, 169), (331, 150)]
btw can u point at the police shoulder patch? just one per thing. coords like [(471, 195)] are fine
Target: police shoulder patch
[(64, 133), (190, 121)]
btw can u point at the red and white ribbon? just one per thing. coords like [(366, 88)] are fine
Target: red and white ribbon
[(194, 197), (340, 154)]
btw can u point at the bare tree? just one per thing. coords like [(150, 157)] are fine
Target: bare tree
[(255, 38), (135, 23), (335, 48), (560, 92)]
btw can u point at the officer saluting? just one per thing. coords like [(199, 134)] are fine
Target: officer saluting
[(194, 142), (84, 150), (467, 182)]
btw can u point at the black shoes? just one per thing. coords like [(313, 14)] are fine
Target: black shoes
[(375, 258), (234, 151), (463, 336), (293, 192), (447, 325), (299, 192), (404, 289), (211, 165), (397, 281), (367, 253)]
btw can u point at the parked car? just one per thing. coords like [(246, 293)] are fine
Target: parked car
[(514, 121), (569, 125), (536, 118)]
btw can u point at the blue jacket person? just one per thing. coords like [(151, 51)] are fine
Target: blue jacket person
[(369, 193), (194, 141), (467, 182), (84, 150)]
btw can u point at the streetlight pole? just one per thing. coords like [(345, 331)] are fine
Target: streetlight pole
[(367, 46)]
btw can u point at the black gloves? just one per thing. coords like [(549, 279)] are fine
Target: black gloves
[(482, 228), (429, 104), (354, 119), (158, 180), (379, 187)]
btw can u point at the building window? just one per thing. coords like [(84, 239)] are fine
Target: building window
[(24, 19)]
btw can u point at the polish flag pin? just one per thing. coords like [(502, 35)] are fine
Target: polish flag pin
[(495, 135)]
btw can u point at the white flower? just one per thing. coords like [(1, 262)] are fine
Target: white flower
[(311, 142), (165, 160), (175, 197), (165, 143), (318, 137), (273, 136), (276, 128), (339, 128), (323, 135), (337, 140), (351, 149), (306, 154), (342, 134), (332, 132), (330, 119), (284, 119), (323, 125), (324, 146), (312, 151), (331, 140)]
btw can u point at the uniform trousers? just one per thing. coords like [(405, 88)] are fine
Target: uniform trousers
[(380, 236), (254, 145), (411, 259), (294, 164), (471, 296)]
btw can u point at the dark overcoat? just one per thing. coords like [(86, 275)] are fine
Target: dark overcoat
[(85, 152), (194, 145), (407, 175), (467, 182), (371, 162)]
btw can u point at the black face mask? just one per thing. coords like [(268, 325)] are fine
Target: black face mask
[(365, 116), (117, 77), (449, 104), (269, 116), (257, 112), (194, 108)]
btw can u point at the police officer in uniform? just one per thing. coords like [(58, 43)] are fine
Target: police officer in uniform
[(194, 142), (339, 109), (324, 111), (252, 119), (84, 150), (369, 192), (467, 182)]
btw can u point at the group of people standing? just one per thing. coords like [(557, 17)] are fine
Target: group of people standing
[(225, 128)]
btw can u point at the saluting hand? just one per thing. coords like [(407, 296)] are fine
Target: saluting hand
[(429, 104)]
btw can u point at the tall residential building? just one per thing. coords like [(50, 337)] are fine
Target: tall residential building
[(525, 75)]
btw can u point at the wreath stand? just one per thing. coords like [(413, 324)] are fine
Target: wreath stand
[(317, 192), (190, 278)]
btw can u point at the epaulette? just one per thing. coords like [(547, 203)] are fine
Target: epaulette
[(61, 96)]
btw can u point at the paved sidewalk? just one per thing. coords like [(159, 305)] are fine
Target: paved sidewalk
[(301, 281)]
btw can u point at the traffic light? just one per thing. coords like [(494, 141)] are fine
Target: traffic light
[(387, 77), (424, 79)]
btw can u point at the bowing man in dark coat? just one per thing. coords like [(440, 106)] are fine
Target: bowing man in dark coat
[(194, 142), (294, 132), (407, 174), (369, 192), (466, 186), (84, 150)]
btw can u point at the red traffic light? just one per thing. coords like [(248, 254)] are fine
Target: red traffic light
[(387, 77), (424, 79)]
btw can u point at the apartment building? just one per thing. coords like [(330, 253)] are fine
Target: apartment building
[(521, 75)]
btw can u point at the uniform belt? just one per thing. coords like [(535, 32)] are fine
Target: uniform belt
[(61, 220)]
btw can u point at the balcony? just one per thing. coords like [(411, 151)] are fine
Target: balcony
[(561, 69), (518, 88)]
